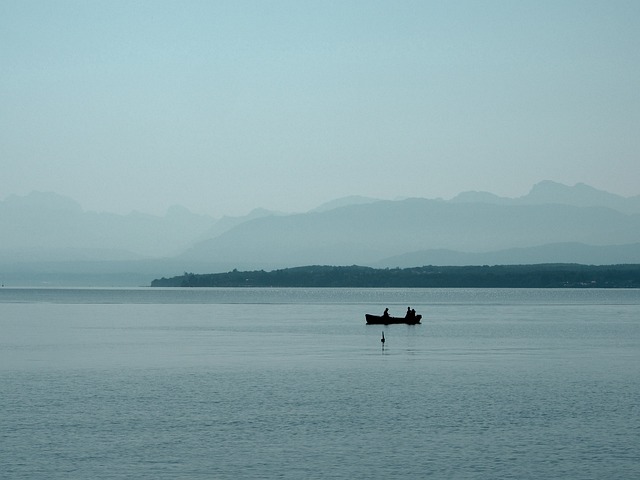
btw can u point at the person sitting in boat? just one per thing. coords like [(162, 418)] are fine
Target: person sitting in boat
[(386, 313), (411, 313)]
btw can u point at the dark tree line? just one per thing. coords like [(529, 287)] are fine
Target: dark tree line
[(498, 276)]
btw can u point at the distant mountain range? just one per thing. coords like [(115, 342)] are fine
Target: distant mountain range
[(548, 192), (45, 237)]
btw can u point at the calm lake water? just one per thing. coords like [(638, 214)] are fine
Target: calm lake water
[(291, 383)]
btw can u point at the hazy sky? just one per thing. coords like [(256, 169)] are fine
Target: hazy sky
[(224, 106)]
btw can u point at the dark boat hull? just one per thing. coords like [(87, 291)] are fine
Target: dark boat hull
[(382, 320)]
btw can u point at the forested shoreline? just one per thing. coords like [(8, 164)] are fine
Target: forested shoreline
[(496, 276)]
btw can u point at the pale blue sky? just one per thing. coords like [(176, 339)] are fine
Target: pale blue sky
[(224, 106)]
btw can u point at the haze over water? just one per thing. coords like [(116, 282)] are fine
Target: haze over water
[(291, 383)]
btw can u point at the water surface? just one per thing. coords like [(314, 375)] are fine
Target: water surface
[(291, 383)]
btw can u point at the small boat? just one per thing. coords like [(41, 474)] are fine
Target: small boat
[(387, 320)]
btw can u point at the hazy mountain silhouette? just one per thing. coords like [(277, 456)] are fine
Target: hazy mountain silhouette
[(227, 223), (344, 202), (548, 192), (365, 234), (45, 233), (46, 224), (46, 238)]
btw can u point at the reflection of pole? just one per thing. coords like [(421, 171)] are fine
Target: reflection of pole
[(382, 340)]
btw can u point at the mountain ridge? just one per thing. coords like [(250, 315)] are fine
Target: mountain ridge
[(364, 234), (46, 227), (549, 192)]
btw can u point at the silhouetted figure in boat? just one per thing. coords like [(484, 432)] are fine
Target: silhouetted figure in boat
[(386, 313), (411, 313)]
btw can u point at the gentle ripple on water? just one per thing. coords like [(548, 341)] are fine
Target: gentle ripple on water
[(487, 388)]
